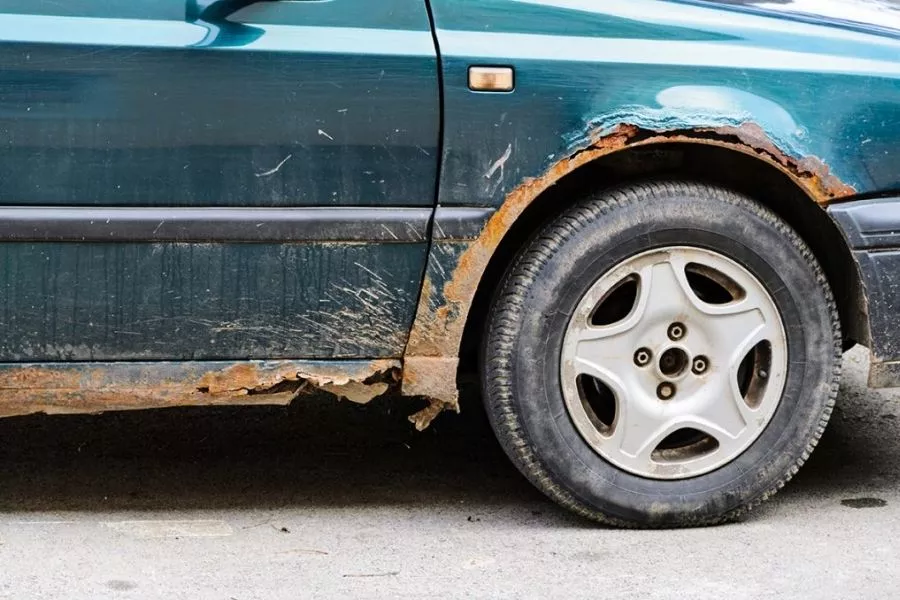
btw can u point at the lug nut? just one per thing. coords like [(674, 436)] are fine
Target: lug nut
[(763, 373), (676, 331), (700, 365), (665, 391), (643, 357)]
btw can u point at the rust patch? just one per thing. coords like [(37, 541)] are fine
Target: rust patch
[(440, 318), (87, 388), (434, 378), (809, 172)]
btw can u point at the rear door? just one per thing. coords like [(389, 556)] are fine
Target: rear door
[(214, 179)]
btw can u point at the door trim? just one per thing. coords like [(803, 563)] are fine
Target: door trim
[(116, 224), (176, 224)]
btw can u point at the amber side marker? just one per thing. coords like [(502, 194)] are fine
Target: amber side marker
[(491, 79)]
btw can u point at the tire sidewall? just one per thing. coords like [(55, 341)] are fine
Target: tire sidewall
[(589, 247)]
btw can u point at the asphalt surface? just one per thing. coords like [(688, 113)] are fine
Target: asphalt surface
[(328, 499)]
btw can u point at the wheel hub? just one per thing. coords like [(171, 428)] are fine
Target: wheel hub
[(682, 371)]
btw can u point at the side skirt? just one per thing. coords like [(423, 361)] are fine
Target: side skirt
[(62, 388)]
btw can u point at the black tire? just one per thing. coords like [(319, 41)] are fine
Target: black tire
[(521, 354)]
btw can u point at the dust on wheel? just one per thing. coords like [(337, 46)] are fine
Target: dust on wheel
[(648, 363)]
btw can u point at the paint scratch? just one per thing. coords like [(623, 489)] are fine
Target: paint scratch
[(277, 167), (499, 163), (391, 233)]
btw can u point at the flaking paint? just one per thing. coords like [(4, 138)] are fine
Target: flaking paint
[(60, 388)]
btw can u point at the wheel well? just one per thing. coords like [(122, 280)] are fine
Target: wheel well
[(712, 164)]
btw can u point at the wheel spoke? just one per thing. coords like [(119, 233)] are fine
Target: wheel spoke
[(640, 426), (606, 356), (723, 413), (606, 351), (666, 287), (736, 329)]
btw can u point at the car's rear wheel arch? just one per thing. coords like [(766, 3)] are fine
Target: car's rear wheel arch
[(744, 173)]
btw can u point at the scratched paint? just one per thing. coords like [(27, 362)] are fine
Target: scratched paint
[(583, 67), (206, 301)]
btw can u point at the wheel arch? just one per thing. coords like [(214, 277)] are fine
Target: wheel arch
[(444, 341)]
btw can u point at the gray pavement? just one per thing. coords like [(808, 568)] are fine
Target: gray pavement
[(327, 499)]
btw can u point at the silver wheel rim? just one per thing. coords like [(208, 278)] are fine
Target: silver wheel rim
[(674, 362)]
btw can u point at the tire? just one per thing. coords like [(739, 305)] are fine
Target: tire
[(526, 381)]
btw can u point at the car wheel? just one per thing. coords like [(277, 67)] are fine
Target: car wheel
[(663, 354)]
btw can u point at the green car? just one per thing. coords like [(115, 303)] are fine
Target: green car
[(649, 228)]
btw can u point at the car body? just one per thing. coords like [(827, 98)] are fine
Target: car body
[(237, 202)]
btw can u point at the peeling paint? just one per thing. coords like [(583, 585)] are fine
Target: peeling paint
[(808, 172), (443, 310), (423, 418), (63, 388)]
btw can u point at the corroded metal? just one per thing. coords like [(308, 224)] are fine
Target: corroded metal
[(443, 309), (429, 377), (57, 388)]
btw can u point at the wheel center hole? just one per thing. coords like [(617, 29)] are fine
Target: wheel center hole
[(673, 362)]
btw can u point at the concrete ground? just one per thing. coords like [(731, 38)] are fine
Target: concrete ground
[(327, 499)]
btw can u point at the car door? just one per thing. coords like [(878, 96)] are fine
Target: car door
[(214, 179)]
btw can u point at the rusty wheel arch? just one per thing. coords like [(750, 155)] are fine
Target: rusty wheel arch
[(444, 339)]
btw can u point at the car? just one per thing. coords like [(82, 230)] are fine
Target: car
[(649, 228)]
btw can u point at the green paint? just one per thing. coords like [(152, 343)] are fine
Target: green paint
[(817, 89), (211, 103), (206, 301)]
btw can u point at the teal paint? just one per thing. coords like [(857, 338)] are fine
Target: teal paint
[(98, 301), (100, 107), (206, 104), (820, 89), (211, 103)]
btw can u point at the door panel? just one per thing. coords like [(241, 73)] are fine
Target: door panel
[(295, 105), (205, 301), (122, 111)]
